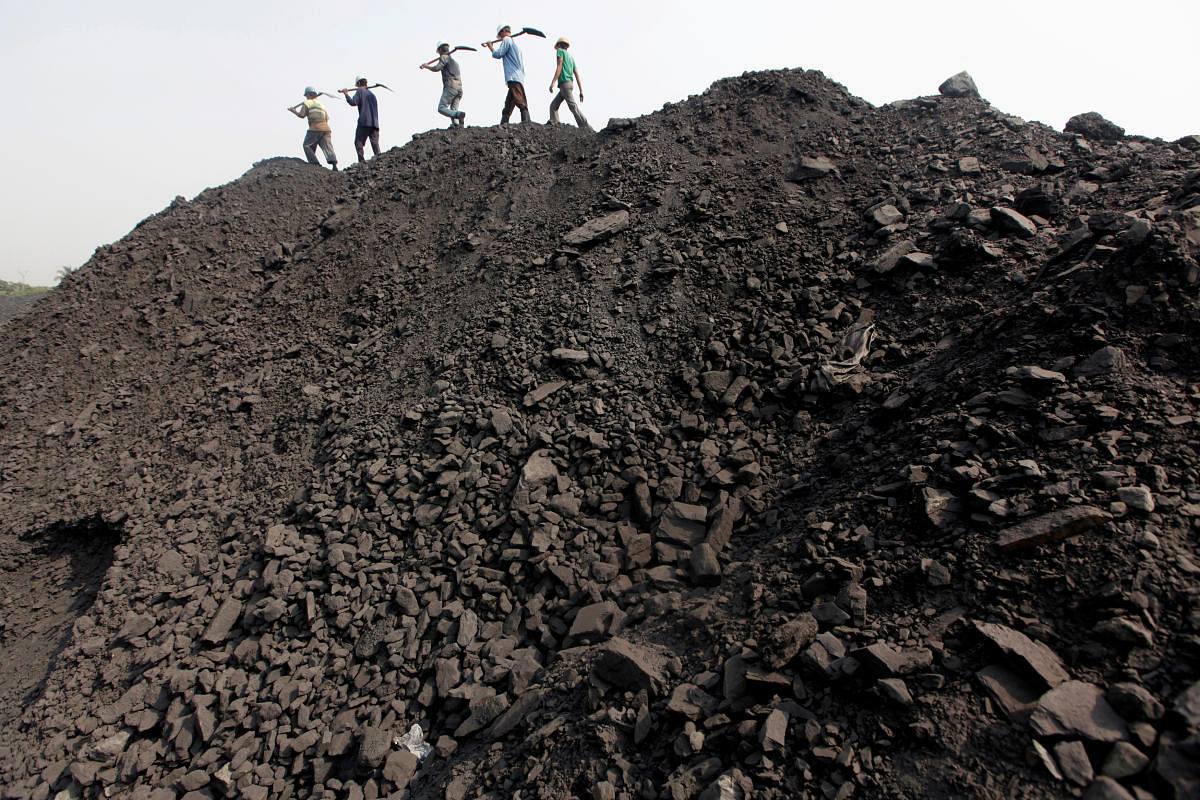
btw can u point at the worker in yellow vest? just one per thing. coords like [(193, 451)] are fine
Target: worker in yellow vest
[(319, 132)]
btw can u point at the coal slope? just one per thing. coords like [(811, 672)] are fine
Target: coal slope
[(13, 306), (773, 445)]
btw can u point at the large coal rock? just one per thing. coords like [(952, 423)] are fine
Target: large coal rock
[(1093, 126), (959, 85)]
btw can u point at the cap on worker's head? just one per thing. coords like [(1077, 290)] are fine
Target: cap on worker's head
[(360, 79), (563, 42), (442, 46), (502, 29), (310, 90)]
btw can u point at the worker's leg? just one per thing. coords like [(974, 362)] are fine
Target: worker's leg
[(518, 92), (446, 103), (327, 148), (311, 140), (555, 103), (567, 91), (360, 139), (374, 134), (510, 102), (459, 116)]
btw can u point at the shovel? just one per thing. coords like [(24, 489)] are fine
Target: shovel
[(433, 61), (530, 31), (372, 86)]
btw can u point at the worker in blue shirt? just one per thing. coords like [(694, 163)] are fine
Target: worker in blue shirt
[(368, 116), (514, 73)]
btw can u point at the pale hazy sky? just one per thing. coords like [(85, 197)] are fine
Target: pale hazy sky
[(116, 107)]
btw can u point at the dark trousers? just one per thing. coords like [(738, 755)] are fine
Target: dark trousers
[(361, 134), (515, 99)]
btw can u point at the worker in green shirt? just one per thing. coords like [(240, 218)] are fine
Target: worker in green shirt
[(566, 75)]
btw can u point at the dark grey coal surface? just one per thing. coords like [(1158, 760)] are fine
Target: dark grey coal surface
[(13, 306), (772, 445)]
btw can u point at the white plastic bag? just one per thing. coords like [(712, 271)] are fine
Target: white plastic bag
[(414, 742)]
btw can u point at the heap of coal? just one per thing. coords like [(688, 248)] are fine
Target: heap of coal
[(773, 445)]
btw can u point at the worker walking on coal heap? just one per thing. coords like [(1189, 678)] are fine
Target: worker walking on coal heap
[(368, 117), (452, 91), (514, 73), (566, 75), (319, 132)]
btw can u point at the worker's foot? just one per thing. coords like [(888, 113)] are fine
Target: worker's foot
[(333, 167), (462, 119)]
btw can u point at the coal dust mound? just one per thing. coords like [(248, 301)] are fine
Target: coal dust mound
[(773, 445)]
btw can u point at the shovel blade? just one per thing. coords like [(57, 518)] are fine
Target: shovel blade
[(533, 32)]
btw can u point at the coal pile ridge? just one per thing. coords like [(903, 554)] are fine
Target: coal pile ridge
[(771, 445)]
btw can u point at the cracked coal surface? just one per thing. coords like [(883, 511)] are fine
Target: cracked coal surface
[(772, 445)]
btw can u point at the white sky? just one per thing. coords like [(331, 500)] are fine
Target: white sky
[(116, 107)]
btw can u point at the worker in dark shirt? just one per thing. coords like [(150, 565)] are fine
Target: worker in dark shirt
[(452, 90), (368, 116)]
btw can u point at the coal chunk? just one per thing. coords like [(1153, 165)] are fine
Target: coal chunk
[(1093, 126), (959, 85)]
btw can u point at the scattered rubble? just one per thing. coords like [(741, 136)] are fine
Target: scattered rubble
[(834, 451)]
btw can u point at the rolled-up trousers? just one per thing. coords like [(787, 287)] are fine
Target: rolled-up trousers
[(451, 97)]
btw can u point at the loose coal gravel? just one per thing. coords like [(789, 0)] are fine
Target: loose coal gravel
[(772, 445), (13, 306)]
